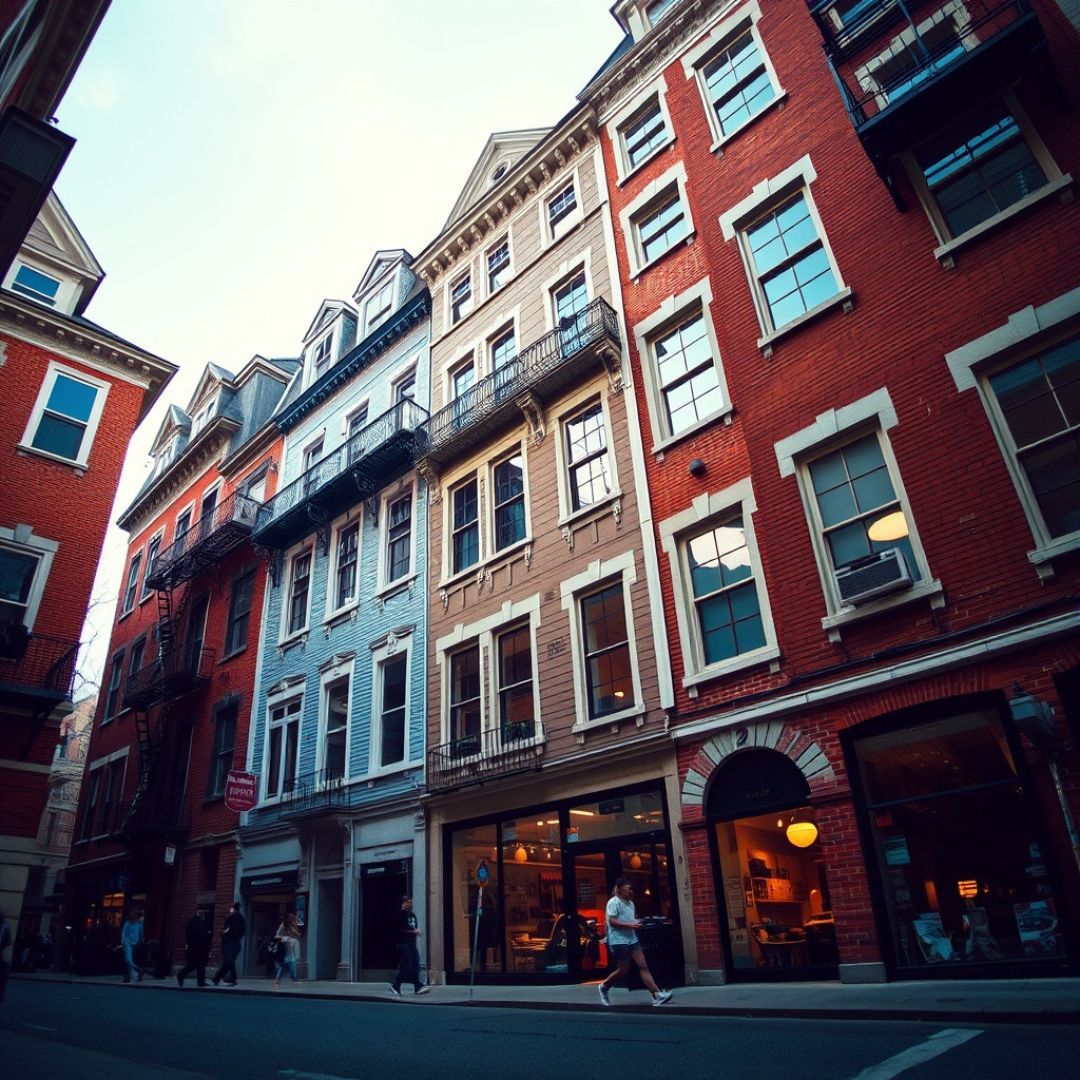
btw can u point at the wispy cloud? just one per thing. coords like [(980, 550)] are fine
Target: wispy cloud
[(104, 90)]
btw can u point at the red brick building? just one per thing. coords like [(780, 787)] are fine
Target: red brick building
[(852, 296), (153, 831), (73, 393)]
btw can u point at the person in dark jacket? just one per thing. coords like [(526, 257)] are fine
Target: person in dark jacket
[(232, 937), (407, 930), (199, 935)]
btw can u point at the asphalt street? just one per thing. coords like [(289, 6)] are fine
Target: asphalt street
[(57, 1031)]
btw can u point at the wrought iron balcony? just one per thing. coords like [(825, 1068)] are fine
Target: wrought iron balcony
[(358, 468), (486, 756), (35, 670), (151, 814), (312, 795), (544, 368), (173, 675), (211, 538), (902, 66)]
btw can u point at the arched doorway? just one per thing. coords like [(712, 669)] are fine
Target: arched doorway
[(771, 886)]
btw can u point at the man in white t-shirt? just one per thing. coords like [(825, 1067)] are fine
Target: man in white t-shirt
[(623, 944)]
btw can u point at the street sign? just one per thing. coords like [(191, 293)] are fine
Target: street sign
[(240, 791)]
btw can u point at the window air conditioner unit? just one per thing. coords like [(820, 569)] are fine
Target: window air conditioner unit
[(872, 577)]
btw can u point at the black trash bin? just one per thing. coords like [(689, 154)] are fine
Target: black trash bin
[(655, 934)]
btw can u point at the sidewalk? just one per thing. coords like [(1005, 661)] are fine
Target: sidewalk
[(1025, 1001)]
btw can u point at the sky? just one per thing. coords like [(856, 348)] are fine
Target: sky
[(238, 161)]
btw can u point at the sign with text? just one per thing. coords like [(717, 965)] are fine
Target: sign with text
[(240, 791)]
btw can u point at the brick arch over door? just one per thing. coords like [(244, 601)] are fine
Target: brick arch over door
[(766, 735)]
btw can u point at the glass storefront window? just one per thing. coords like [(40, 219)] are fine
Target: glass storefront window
[(468, 847), (960, 863), (621, 816), (533, 894)]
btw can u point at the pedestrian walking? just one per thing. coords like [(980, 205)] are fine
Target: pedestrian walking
[(5, 945), (407, 930), (131, 938), (232, 937), (289, 934), (199, 935), (623, 943)]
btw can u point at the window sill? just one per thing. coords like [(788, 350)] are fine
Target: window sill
[(298, 637), (596, 509), (637, 270), (393, 589), (484, 566), (729, 667), (211, 800), (124, 614), (726, 414), (1043, 556), (656, 152), (232, 656), (944, 254), (553, 235), (342, 614), (926, 590), (718, 146), (382, 773), (79, 467), (845, 296), (143, 599), (631, 713)]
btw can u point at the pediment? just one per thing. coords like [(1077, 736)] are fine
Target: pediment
[(54, 236), (383, 260), (501, 153), (328, 311), (211, 378), (175, 420)]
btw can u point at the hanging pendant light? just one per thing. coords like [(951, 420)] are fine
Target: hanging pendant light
[(635, 861), (802, 833), (520, 854)]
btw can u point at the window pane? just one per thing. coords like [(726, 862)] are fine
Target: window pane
[(36, 284), (16, 575), (605, 619), (72, 398), (57, 436), (611, 686), (393, 711), (1053, 470)]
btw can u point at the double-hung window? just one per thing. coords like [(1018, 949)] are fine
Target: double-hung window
[(571, 301), (517, 708), (587, 460), (322, 353), (336, 731), (299, 592), (312, 456), (660, 226), (132, 583), (378, 307), (221, 757), (503, 351), (345, 564), (738, 83), (282, 746), (236, 633), (463, 379), (183, 523), (509, 484), (1038, 401), (66, 415), (18, 569), (90, 807), (465, 530), (116, 677), (399, 538), (643, 134), (609, 681), (461, 298), (465, 714), (498, 266), (356, 423), (152, 550), (560, 210), (789, 262), (38, 286), (138, 652), (393, 725), (687, 376)]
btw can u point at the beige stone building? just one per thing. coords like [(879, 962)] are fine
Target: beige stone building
[(549, 770)]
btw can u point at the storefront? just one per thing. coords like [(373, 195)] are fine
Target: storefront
[(959, 853), (524, 890)]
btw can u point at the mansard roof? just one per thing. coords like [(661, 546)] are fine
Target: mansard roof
[(383, 259), (328, 311)]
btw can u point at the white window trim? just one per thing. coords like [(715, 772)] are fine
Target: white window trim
[(735, 222), (22, 538), (465, 269), (409, 369), (216, 486), (381, 653), (876, 414), (652, 192), (317, 337), (274, 700), (567, 269), (708, 509), (1057, 183), (1024, 333), (159, 536), (103, 763), (357, 407), (406, 486), (373, 294), (100, 385), (695, 60), (614, 128), (516, 445), (511, 269), (351, 517), (125, 608), (285, 637), (313, 439), (483, 633), (448, 574), (582, 399), (508, 317), (558, 184), (342, 669), (600, 573), (700, 296), (466, 356), (192, 520)]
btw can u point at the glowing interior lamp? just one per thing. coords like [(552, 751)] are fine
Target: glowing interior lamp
[(890, 527), (521, 855), (802, 833), (968, 889), (635, 861)]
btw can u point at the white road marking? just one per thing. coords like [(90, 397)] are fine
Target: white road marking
[(937, 1044), (36, 1027)]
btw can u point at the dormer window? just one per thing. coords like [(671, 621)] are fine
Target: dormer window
[(378, 307), (322, 352), (36, 285), (657, 10), (165, 455), (202, 417)]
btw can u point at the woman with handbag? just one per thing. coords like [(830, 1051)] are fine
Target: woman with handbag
[(288, 934)]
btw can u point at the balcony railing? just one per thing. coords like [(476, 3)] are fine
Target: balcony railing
[(173, 675), (212, 537), (545, 367), (902, 66), (485, 756), (355, 470), (35, 667), (313, 794)]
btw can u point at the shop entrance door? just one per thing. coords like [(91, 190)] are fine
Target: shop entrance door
[(381, 888), (595, 870)]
